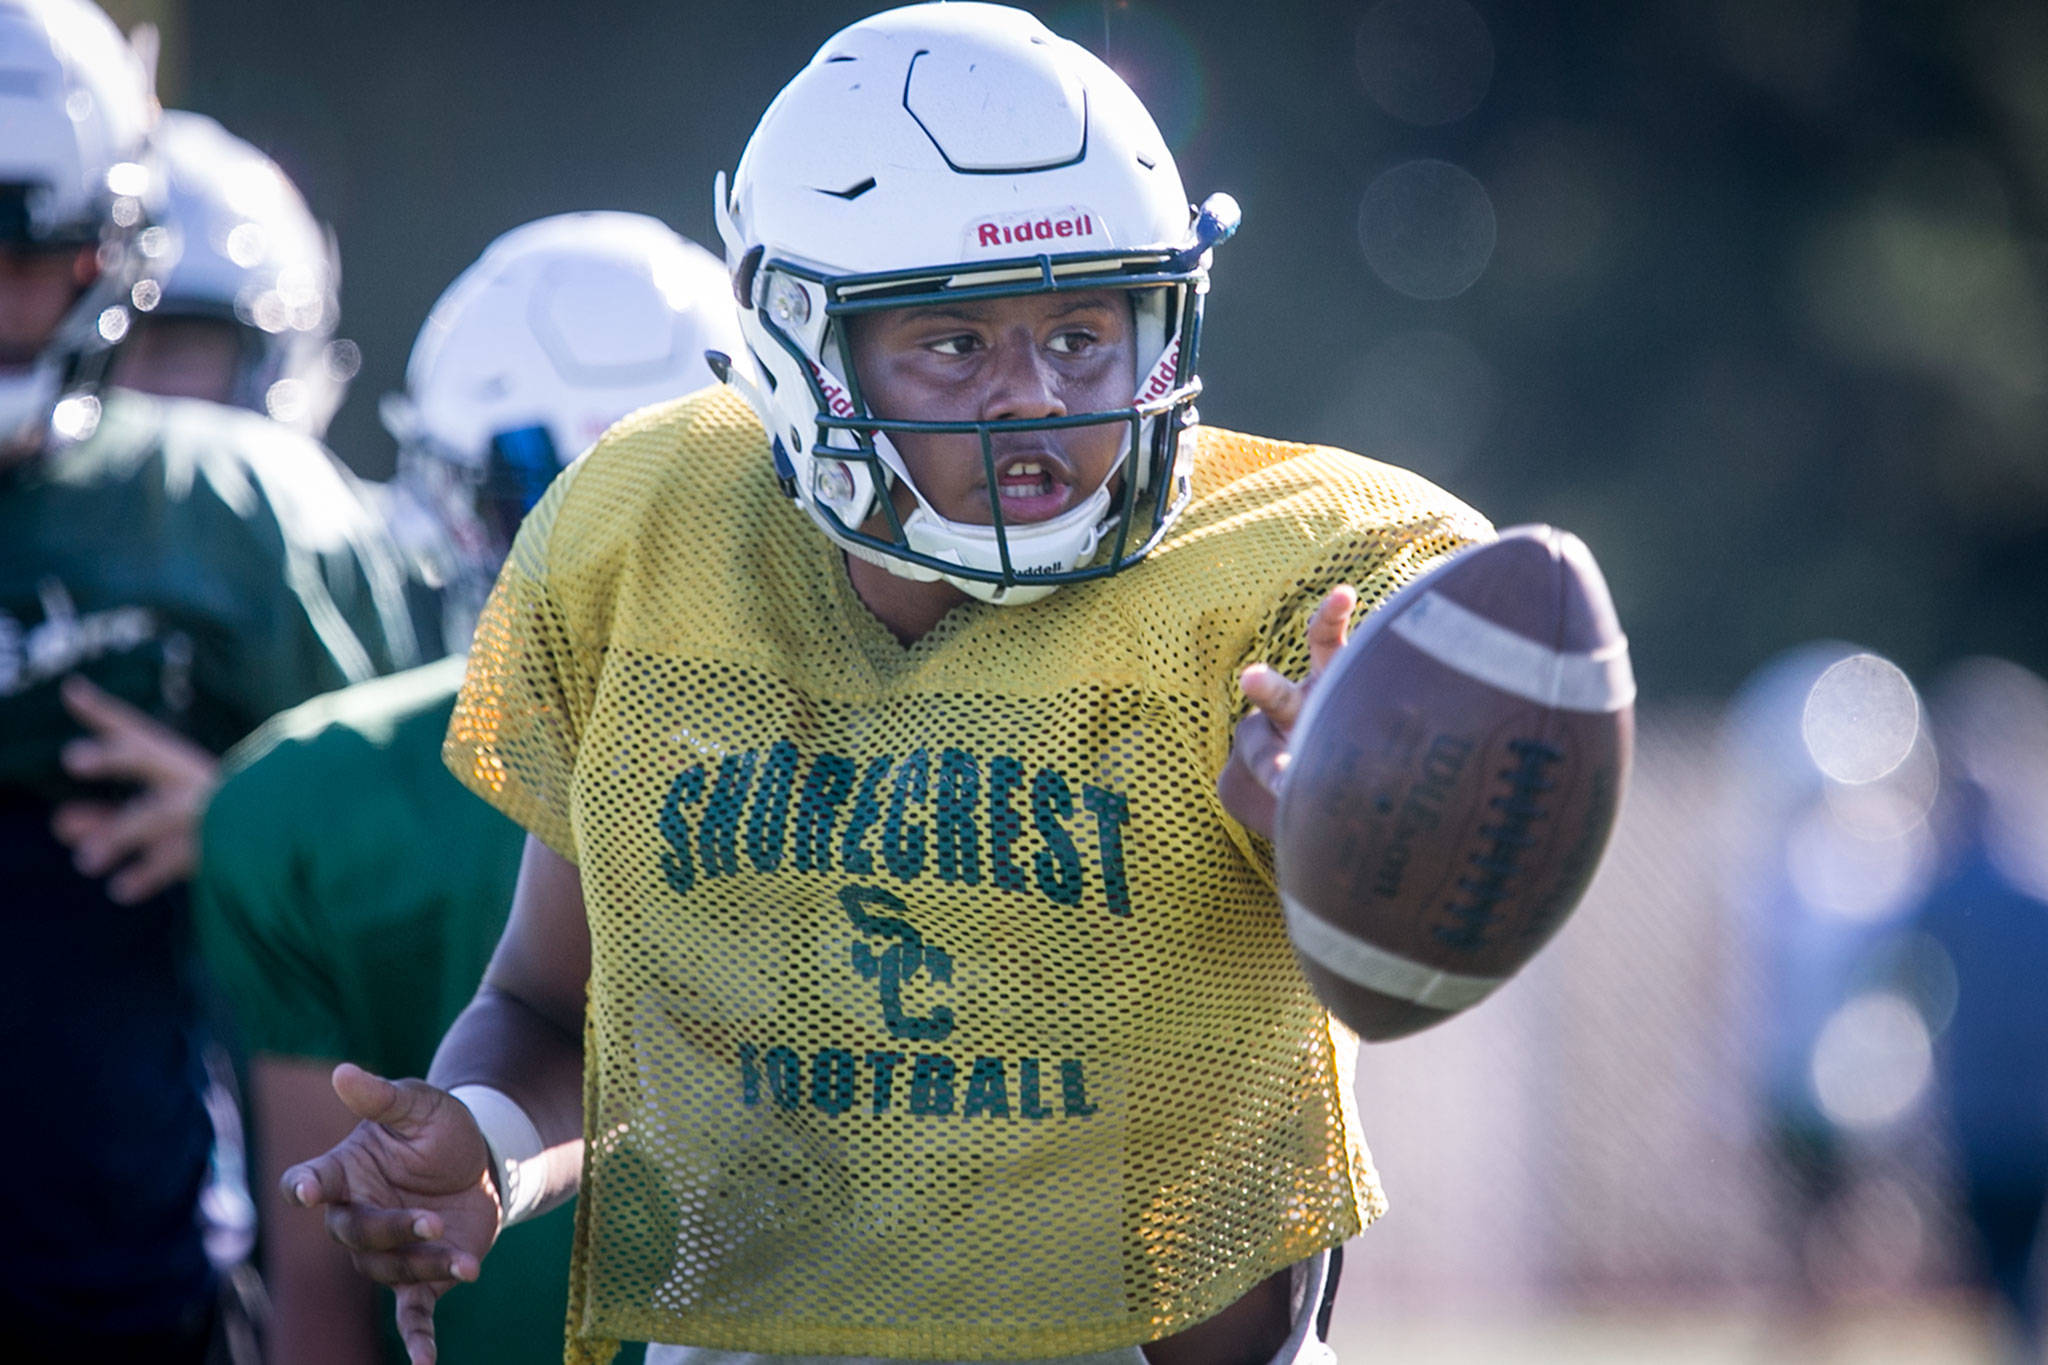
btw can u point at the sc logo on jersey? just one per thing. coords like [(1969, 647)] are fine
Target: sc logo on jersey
[(939, 1085), (898, 962)]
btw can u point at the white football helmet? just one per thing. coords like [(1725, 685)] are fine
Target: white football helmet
[(559, 329), (245, 249), (76, 108), (962, 151)]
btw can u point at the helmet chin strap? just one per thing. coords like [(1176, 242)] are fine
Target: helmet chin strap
[(1059, 543)]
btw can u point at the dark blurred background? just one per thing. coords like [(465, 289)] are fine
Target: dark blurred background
[(1753, 294)]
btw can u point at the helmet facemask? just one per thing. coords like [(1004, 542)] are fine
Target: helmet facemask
[(950, 153), (853, 462)]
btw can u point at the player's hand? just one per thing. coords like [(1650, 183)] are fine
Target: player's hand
[(152, 838), (407, 1193), (1250, 782)]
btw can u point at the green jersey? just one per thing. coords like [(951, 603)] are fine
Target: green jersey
[(202, 563), (209, 567), (350, 895)]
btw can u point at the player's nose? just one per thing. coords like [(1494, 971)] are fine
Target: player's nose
[(1022, 382)]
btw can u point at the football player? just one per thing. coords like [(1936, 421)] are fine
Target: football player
[(240, 292), (351, 891), (246, 310), (884, 963), (171, 559)]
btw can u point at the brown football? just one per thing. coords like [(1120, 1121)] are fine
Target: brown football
[(1454, 778)]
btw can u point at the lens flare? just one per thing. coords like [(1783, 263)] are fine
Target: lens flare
[(1153, 53), (1426, 62), (1873, 1060), (1861, 719), (1428, 229)]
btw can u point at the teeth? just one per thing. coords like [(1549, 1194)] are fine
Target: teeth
[(1025, 479)]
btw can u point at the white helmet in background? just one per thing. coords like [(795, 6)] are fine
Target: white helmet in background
[(961, 151), (562, 327), (245, 249), (76, 108)]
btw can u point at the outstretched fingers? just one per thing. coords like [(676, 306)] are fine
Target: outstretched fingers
[(367, 1229), (385, 1246), (324, 1180), (99, 710), (1259, 750), (416, 1323), (1329, 627), (321, 1181), (1277, 699), (401, 1106)]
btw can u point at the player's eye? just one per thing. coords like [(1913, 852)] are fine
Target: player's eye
[(1073, 341), (962, 344)]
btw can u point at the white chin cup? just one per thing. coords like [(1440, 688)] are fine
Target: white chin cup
[(1058, 545), (27, 397)]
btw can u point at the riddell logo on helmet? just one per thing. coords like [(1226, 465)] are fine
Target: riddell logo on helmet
[(1069, 224), (836, 400), (1160, 382)]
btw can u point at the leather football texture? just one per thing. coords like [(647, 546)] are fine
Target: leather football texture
[(1454, 778)]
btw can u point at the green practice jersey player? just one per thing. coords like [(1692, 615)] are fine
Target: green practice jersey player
[(351, 891), (179, 560), (895, 966)]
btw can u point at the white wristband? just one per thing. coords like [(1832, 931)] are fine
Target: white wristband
[(516, 1150)]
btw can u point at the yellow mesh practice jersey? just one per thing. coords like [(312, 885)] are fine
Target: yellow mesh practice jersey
[(936, 1008)]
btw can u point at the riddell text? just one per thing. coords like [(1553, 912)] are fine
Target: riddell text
[(1038, 230)]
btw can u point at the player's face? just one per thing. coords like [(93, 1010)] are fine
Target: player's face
[(179, 358), (37, 287), (1030, 356)]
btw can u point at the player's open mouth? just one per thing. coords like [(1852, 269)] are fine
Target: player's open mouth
[(1032, 487)]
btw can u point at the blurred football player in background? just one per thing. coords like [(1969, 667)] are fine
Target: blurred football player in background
[(517, 371), (1989, 911), (1830, 773), (246, 312), (870, 1061), (351, 891), (166, 559)]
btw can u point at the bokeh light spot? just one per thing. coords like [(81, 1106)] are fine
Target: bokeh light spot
[(75, 417), (286, 400), (1861, 719), (1850, 873), (1426, 62), (1872, 1061), (246, 244), (1428, 229), (344, 360)]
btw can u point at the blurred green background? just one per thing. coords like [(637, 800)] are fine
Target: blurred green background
[(1753, 294)]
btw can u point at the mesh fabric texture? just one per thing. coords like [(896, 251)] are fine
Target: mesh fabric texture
[(937, 1010)]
